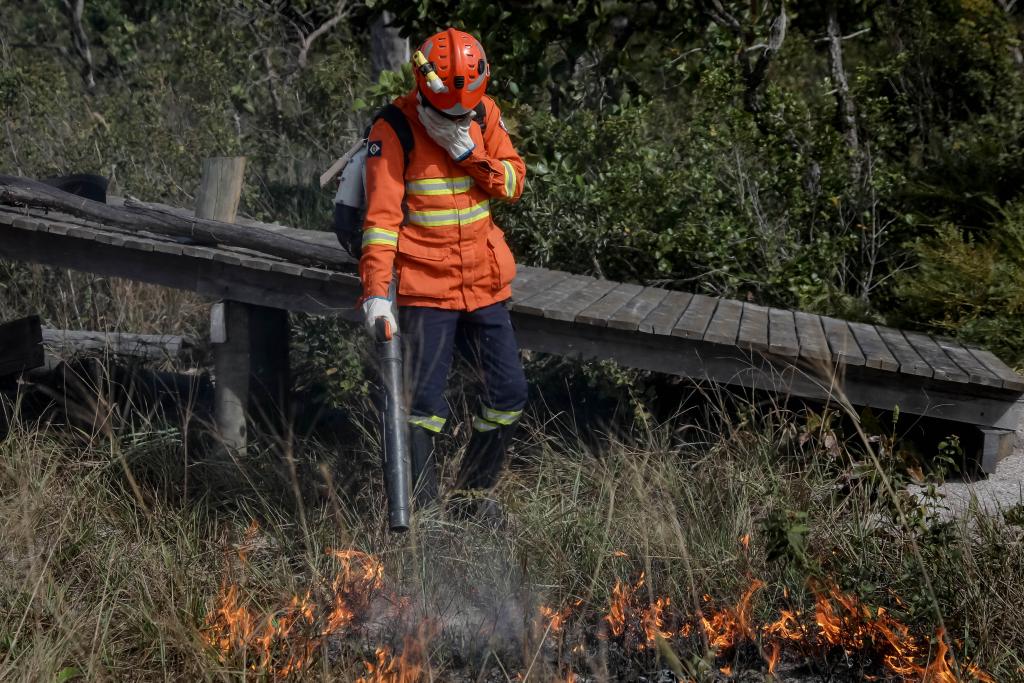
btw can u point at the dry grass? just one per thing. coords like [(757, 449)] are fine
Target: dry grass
[(70, 300), (112, 570)]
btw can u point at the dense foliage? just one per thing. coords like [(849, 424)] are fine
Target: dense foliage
[(862, 158)]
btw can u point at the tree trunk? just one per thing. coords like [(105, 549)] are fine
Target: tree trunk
[(388, 50), (846, 111)]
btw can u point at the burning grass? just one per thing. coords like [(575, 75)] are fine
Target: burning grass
[(733, 557)]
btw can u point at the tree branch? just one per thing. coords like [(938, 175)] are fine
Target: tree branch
[(721, 16), (81, 40), (306, 41)]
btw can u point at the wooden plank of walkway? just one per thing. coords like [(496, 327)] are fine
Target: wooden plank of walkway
[(942, 366), (540, 303), (163, 263), (1010, 379), (841, 342), (782, 339), (753, 328), (724, 326), (666, 314), (876, 353), (694, 321), (661, 330), (910, 361), (636, 309), (568, 309), (813, 342), (720, 364), (976, 371), (539, 282), (522, 280), (601, 310)]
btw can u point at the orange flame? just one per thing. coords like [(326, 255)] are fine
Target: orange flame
[(728, 627), (626, 613), (390, 669), (842, 621), (622, 593), (409, 667), (282, 641), (554, 619)]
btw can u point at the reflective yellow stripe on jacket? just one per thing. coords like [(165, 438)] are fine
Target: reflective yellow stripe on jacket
[(510, 180), (439, 186), (388, 238), (440, 218)]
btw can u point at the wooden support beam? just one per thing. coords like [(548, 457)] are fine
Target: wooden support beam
[(217, 199), (996, 445), (142, 346), (21, 345)]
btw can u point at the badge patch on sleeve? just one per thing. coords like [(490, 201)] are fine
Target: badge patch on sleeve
[(373, 148)]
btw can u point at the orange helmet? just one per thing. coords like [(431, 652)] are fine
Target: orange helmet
[(452, 71)]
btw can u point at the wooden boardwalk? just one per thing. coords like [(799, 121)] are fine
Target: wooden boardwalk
[(703, 338)]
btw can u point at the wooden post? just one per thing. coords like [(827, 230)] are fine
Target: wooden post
[(996, 445), (269, 377), (217, 199), (21, 345)]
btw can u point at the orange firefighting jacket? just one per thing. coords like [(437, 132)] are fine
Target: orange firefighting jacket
[(430, 221)]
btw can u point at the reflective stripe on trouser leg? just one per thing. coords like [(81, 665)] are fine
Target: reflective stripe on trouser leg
[(492, 419), (433, 423)]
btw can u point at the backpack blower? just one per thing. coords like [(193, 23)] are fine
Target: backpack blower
[(349, 209)]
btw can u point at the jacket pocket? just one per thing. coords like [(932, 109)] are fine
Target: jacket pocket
[(422, 270), (502, 261)]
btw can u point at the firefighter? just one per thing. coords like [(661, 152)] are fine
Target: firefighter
[(428, 222)]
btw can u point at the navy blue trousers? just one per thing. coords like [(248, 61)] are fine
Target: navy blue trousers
[(485, 338)]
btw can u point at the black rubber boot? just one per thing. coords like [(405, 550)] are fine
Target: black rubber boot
[(480, 470), (424, 466), (484, 459)]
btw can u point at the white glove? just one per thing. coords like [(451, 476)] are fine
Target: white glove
[(451, 134), (378, 307)]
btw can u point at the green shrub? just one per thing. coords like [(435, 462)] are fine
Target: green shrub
[(971, 288)]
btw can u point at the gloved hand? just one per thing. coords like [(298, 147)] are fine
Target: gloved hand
[(378, 307), (451, 134)]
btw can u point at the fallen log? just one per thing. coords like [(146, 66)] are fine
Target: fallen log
[(20, 347), (125, 344), (18, 191)]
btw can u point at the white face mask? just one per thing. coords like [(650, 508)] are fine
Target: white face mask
[(456, 113)]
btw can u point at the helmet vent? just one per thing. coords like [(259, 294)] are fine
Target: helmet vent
[(460, 82), (481, 67)]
